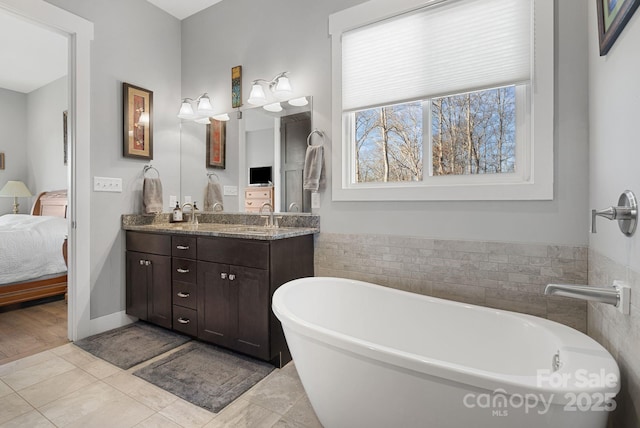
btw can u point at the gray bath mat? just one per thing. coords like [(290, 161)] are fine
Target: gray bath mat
[(130, 345), (205, 375)]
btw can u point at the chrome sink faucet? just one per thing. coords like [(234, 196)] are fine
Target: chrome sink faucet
[(194, 216), (269, 218)]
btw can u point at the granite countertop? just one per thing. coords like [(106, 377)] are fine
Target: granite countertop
[(244, 226)]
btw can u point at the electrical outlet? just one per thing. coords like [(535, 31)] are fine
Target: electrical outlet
[(187, 199), (107, 184), (315, 200), (173, 199)]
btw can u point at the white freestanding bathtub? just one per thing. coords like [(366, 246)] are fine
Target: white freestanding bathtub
[(371, 356)]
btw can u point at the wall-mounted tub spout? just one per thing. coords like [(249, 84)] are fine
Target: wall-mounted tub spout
[(618, 295)]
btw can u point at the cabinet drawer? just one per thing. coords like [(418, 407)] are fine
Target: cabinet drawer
[(232, 251), (151, 243), (183, 246), (184, 294), (185, 320), (256, 203), (258, 194), (184, 270)]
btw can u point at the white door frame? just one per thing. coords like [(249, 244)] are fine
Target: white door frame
[(80, 34)]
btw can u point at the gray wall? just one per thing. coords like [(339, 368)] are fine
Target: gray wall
[(298, 41), (13, 123), (45, 156), (614, 93), (137, 43)]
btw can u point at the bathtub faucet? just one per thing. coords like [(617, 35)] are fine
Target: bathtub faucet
[(618, 295)]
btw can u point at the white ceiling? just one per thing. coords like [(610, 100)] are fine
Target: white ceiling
[(31, 56), (183, 8)]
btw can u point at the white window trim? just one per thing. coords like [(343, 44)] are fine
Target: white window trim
[(534, 184)]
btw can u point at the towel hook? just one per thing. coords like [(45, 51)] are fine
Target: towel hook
[(315, 131), (212, 174), (148, 167)]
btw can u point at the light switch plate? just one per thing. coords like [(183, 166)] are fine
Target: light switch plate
[(230, 190), (107, 184), (187, 199), (172, 201)]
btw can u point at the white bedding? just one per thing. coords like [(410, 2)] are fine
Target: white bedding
[(31, 246)]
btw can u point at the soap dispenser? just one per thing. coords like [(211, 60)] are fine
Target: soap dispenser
[(177, 213)]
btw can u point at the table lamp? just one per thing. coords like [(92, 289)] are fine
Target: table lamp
[(16, 189)]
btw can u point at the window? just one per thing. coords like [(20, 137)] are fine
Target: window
[(438, 102)]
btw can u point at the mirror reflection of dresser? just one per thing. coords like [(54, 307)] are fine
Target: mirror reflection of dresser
[(256, 197)]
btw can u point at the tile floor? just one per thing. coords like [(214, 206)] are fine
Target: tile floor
[(68, 387)]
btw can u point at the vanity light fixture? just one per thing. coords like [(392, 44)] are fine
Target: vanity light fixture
[(203, 112), (274, 107), (299, 102), (280, 86)]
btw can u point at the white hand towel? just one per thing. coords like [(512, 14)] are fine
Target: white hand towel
[(212, 195), (152, 195), (313, 168)]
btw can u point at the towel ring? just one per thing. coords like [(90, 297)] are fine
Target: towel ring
[(212, 174), (148, 167), (315, 131)]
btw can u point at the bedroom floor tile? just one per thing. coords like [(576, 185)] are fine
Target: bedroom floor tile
[(67, 387)]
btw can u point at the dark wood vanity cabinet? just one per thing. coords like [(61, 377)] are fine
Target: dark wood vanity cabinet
[(220, 289), (148, 294), (233, 308)]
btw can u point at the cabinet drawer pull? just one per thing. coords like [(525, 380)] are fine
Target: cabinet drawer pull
[(141, 262), (180, 270), (182, 247), (223, 275), (183, 320), (147, 263), (249, 203), (231, 277), (183, 295)]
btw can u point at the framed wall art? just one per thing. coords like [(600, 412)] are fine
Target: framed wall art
[(236, 86), (613, 15), (216, 136), (65, 137), (137, 121)]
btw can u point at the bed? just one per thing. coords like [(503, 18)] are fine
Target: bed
[(40, 271)]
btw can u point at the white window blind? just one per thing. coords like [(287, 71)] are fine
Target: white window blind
[(445, 49)]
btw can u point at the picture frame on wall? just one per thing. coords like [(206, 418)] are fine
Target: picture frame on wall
[(137, 122), (216, 141), (65, 137), (236, 86), (613, 15)]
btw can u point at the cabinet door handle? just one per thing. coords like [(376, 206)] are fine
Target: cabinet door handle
[(183, 320), (223, 275), (183, 295), (141, 262), (147, 263), (182, 247), (180, 270), (231, 277)]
